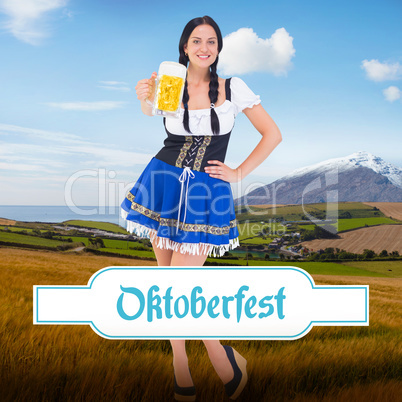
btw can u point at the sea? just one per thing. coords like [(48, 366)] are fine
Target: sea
[(58, 214)]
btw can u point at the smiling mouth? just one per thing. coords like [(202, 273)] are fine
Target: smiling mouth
[(203, 57)]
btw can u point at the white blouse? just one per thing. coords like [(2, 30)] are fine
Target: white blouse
[(242, 97)]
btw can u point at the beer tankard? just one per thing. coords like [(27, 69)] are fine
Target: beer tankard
[(169, 89)]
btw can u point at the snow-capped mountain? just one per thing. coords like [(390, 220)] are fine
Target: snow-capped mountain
[(361, 158), (357, 177)]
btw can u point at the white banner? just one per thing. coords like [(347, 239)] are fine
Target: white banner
[(201, 302)]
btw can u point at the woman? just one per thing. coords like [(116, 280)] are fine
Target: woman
[(192, 163)]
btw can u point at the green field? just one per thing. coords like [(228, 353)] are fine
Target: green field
[(390, 269), (137, 253), (354, 223), (358, 215), (355, 268), (251, 229), (296, 212), (343, 206), (18, 229), (110, 227), (369, 268), (361, 215), (26, 239), (348, 224), (257, 240), (109, 243)]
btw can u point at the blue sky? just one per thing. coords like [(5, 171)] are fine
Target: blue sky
[(71, 128)]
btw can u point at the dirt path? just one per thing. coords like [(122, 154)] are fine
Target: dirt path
[(78, 249)]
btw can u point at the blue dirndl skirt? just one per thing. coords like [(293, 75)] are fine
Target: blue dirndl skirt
[(182, 209)]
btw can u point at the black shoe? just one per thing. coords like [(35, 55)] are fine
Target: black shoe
[(235, 386), (183, 393)]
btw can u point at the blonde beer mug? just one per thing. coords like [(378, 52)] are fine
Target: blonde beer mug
[(169, 89)]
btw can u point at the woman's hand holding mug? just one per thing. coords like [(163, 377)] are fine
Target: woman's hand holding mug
[(145, 88)]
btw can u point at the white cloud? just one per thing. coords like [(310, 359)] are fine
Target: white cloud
[(244, 52), (40, 162), (113, 83), (123, 87), (377, 71), (33, 178), (24, 167), (31, 153), (6, 129), (68, 13), (106, 156), (26, 18), (64, 146), (115, 86), (87, 106), (392, 93)]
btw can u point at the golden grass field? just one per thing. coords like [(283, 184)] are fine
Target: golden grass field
[(376, 238), (9, 222), (393, 209), (71, 362)]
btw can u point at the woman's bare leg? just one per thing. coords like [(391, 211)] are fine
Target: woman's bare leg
[(180, 363), (219, 359), (163, 256), (180, 360), (175, 258), (187, 260)]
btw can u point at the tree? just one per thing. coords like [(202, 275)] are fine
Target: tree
[(96, 242), (345, 255), (48, 234), (384, 253), (368, 254)]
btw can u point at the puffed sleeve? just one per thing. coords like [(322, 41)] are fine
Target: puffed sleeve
[(242, 95)]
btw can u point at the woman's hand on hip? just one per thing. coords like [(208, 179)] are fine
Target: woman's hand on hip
[(221, 171), (146, 88)]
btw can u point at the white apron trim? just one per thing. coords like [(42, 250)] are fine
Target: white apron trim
[(168, 244)]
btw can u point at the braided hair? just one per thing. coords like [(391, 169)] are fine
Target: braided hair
[(214, 83)]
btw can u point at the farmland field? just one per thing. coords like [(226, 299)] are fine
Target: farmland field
[(376, 238), (393, 209)]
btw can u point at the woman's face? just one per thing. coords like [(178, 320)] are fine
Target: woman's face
[(202, 46)]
